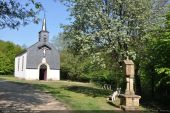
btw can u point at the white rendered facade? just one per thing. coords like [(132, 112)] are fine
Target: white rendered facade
[(33, 74)]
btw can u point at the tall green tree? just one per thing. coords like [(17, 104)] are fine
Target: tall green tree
[(158, 63), (112, 28)]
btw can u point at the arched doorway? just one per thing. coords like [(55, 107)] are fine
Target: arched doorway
[(43, 72)]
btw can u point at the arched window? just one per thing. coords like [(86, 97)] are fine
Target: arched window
[(22, 63), (18, 63)]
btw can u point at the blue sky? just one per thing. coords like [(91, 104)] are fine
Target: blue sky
[(56, 14)]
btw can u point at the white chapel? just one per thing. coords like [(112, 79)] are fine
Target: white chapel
[(41, 61)]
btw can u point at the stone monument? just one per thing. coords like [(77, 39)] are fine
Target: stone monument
[(129, 101)]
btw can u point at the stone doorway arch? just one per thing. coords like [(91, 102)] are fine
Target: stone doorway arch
[(43, 72)]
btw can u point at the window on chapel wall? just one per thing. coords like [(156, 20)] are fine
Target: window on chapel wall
[(22, 63), (18, 63)]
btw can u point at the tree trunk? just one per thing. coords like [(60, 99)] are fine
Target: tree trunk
[(152, 84), (137, 80)]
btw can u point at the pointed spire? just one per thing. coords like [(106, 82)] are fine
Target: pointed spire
[(44, 34), (44, 28)]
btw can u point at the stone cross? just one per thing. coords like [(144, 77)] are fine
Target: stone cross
[(129, 101), (129, 72)]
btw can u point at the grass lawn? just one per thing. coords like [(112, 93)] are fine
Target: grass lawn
[(76, 95)]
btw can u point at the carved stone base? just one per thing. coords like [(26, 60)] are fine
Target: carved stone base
[(129, 102), (129, 108)]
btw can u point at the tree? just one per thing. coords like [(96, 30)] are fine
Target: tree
[(112, 28), (5, 64), (158, 60), (14, 13), (8, 51)]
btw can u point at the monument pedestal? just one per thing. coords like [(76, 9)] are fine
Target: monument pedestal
[(129, 102)]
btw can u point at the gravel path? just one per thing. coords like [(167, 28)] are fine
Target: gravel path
[(24, 97)]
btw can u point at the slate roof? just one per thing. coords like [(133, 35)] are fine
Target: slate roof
[(35, 56)]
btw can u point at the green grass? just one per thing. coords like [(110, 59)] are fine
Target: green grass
[(76, 95)]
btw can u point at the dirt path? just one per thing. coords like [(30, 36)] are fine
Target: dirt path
[(25, 97)]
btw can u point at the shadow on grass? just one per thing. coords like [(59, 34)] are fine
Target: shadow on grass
[(42, 87), (157, 103), (113, 104), (2, 79), (94, 92), (46, 89)]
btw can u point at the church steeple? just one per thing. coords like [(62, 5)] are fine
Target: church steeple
[(43, 34), (44, 28)]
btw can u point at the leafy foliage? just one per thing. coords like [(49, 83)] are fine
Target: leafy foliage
[(159, 62), (14, 13), (8, 51), (109, 26)]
